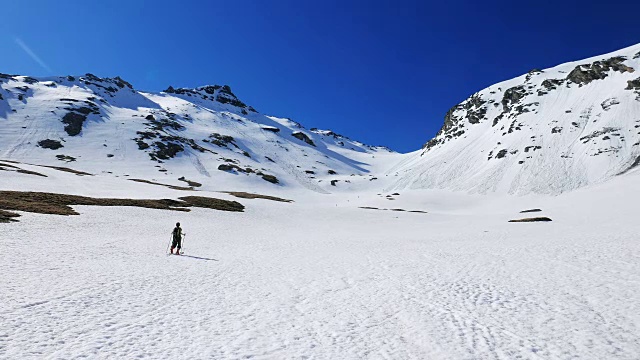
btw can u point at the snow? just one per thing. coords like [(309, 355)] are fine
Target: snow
[(549, 146), (323, 278), (107, 145)]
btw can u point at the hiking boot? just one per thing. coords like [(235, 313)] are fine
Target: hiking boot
[(171, 251)]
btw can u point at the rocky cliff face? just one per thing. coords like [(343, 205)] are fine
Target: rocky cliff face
[(547, 131)]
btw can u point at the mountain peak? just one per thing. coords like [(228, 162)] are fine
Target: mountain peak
[(216, 93), (578, 121)]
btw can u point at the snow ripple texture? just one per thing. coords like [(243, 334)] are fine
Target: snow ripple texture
[(321, 278)]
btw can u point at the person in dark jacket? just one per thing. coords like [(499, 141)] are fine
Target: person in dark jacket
[(177, 239)]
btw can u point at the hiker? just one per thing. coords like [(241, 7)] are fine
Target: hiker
[(177, 239)]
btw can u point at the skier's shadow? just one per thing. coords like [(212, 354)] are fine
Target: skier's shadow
[(198, 257)]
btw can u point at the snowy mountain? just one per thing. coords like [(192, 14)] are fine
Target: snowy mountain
[(547, 131), (313, 260), (204, 135)]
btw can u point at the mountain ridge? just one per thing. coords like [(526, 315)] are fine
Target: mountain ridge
[(546, 131), (104, 125)]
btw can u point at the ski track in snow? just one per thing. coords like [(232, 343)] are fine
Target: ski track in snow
[(318, 278)]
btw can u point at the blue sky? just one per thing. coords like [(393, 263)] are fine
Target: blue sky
[(382, 72)]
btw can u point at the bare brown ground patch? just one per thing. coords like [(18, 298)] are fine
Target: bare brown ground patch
[(7, 167), (7, 216), (60, 204), (59, 168), (174, 187), (246, 195), (212, 203), (400, 210), (191, 183), (66, 169)]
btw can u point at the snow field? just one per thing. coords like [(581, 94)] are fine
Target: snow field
[(321, 278)]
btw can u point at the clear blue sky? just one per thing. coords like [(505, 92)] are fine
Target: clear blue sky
[(382, 72)]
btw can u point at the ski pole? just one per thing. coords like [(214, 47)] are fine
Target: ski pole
[(168, 245)]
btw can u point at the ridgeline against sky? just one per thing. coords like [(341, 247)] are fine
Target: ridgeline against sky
[(383, 72)]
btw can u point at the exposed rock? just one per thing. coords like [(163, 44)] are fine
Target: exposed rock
[(502, 153), (191, 183), (29, 80), (533, 219), (530, 211), (271, 128), (65, 158), (231, 167), (50, 144), (73, 123), (165, 151), (607, 104), (121, 83), (334, 182), (8, 216), (221, 140), (512, 96), (476, 109), (548, 85), (532, 148), (141, 144), (532, 73), (270, 178), (598, 70), (598, 133), (227, 167), (634, 85), (302, 136)]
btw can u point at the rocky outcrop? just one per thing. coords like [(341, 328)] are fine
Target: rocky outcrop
[(218, 93), (598, 70), (110, 85), (221, 140), (73, 123), (50, 144), (548, 85), (270, 178), (512, 96), (302, 136), (272, 129), (633, 84)]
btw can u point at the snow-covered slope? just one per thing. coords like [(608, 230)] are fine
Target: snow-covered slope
[(207, 135), (321, 278), (547, 131)]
